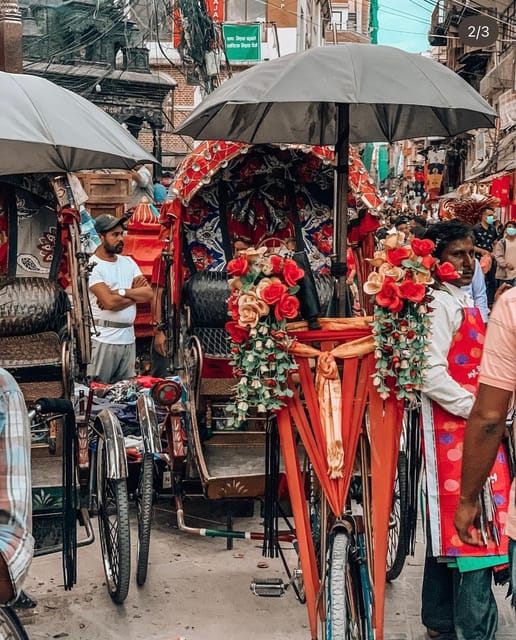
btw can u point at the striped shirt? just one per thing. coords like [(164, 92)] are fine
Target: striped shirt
[(16, 541), (498, 364)]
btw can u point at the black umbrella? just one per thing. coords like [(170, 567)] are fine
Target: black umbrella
[(339, 94)]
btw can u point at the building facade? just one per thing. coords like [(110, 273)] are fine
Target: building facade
[(487, 162)]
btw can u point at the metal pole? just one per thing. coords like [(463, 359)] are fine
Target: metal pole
[(341, 204), (11, 56)]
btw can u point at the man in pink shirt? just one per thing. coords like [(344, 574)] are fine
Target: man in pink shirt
[(486, 424)]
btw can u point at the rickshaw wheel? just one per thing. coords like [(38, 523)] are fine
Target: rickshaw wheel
[(10, 626), (397, 540), (113, 516), (336, 587), (143, 498)]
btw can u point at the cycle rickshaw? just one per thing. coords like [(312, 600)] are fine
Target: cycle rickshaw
[(341, 572), (78, 469)]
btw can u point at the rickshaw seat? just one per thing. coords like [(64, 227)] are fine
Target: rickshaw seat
[(33, 313), (207, 294), (32, 306)]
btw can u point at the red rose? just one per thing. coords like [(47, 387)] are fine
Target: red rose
[(422, 247), (277, 263), (446, 272), (396, 256), (412, 291), (428, 262), (238, 266), (389, 296), (291, 272), (233, 306), (287, 307), (237, 333), (272, 293)]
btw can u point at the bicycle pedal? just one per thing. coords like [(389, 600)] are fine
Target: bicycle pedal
[(268, 587)]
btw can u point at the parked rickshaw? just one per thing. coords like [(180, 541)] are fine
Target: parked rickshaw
[(289, 191)]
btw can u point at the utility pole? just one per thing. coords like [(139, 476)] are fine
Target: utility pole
[(11, 57)]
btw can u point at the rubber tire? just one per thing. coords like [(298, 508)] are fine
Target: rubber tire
[(10, 626), (144, 493), (337, 623), (398, 534), (116, 554)]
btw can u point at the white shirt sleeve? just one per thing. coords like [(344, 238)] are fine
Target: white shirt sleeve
[(478, 291), (447, 316)]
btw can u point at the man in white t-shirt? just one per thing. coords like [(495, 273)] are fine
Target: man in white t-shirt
[(117, 285)]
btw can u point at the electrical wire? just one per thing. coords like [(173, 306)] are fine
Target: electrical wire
[(404, 15), (471, 8)]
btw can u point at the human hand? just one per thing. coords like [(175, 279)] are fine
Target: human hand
[(467, 522), (509, 266), (140, 281), (501, 289), (160, 343)]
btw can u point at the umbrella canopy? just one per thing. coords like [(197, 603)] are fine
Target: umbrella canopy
[(392, 95), (45, 129)]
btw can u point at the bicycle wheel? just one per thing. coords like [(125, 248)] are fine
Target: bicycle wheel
[(143, 498), (10, 626), (337, 619), (398, 527), (113, 516)]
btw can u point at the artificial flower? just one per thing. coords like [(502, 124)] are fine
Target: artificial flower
[(291, 272), (401, 326), (387, 270), (389, 295), (445, 272), (422, 247), (238, 266), (396, 256), (237, 333), (260, 304), (273, 292), (287, 307), (374, 283), (412, 291)]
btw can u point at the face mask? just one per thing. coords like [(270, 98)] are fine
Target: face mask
[(490, 219), (511, 231)]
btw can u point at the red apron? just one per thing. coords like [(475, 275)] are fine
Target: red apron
[(443, 443)]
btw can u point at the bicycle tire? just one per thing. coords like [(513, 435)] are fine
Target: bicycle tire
[(144, 493), (397, 541), (337, 621), (10, 626), (114, 530)]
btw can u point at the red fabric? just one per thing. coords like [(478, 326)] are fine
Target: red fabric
[(216, 368), (463, 365), (500, 188), (158, 271)]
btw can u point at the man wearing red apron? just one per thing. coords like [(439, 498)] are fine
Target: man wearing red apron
[(457, 600)]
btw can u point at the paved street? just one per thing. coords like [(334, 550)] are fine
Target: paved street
[(197, 590)]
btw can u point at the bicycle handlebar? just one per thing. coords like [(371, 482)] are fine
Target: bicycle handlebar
[(54, 405)]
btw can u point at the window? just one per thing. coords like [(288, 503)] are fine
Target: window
[(245, 10)]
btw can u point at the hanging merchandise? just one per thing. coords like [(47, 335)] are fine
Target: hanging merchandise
[(500, 188), (434, 170)]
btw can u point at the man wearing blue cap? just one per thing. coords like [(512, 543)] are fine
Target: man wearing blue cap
[(117, 285)]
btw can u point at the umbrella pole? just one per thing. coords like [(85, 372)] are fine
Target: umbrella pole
[(341, 207)]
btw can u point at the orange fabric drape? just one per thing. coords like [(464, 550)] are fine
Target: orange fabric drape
[(329, 420)]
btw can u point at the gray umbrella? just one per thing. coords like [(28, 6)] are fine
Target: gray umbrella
[(392, 95), (336, 95), (45, 129)]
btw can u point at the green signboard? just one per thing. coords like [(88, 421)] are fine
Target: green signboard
[(243, 42)]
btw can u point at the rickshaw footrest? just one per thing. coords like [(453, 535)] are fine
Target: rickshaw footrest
[(268, 587)]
